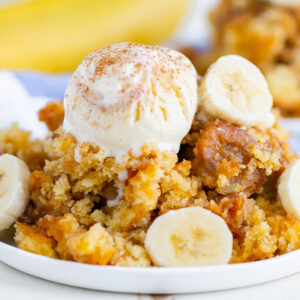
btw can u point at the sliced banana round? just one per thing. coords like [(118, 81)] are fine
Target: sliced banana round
[(189, 237), (289, 189), (235, 90), (14, 189)]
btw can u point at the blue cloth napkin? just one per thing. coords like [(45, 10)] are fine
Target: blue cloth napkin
[(43, 84)]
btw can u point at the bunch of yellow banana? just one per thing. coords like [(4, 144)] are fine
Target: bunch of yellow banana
[(54, 35)]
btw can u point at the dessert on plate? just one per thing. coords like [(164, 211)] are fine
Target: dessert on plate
[(265, 32), (147, 164)]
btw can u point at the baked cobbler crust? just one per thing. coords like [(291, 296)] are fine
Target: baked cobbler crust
[(97, 210)]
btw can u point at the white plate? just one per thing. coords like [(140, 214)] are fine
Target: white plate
[(153, 280), (149, 280)]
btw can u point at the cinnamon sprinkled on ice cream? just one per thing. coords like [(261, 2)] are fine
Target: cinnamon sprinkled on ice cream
[(126, 95)]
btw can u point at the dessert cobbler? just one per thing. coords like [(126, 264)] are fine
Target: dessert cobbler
[(147, 164), (265, 32)]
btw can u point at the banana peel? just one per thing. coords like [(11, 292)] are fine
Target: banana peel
[(55, 35)]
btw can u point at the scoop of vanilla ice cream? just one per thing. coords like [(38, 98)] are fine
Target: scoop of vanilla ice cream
[(126, 95)]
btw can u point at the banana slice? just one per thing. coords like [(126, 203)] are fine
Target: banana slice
[(235, 90), (267, 122), (289, 189), (14, 189), (189, 237)]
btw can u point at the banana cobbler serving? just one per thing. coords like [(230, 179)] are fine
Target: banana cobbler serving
[(147, 164)]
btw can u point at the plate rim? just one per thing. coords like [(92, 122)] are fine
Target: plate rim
[(154, 269), (150, 280)]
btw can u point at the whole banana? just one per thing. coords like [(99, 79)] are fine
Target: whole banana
[(55, 35)]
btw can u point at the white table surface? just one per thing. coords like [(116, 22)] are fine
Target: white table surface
[(17, 285)]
